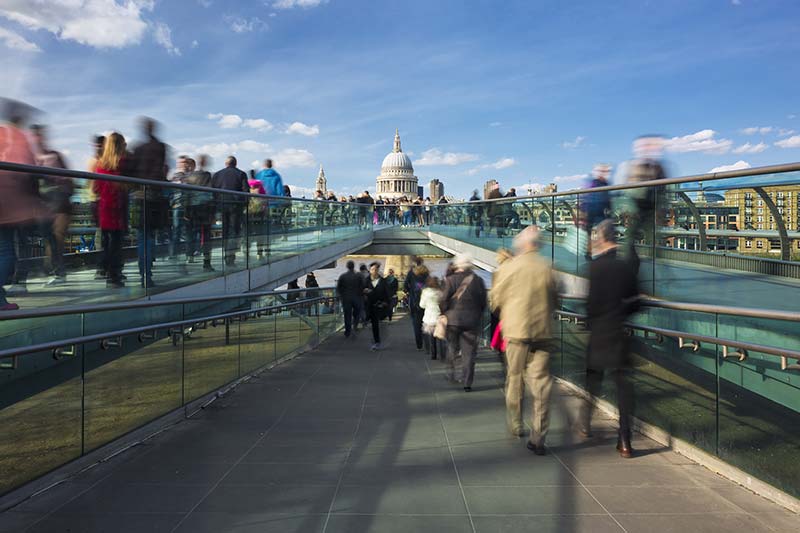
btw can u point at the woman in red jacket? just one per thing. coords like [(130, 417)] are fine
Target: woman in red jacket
[(112, 208)]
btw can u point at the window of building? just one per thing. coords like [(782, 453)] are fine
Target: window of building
[(760, 218), (748, 195), (760, 210), (759, 244), (748, 243), (760, 203)]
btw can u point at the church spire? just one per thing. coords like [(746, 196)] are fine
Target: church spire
[(397, 141), (321, 172)]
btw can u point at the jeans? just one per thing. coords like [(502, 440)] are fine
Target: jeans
[(178, 229), (56, 235), (8, 258), (146, 249)]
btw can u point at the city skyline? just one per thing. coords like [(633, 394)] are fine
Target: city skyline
[(539, 97)]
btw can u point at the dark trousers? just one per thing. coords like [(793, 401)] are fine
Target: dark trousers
[(8, 259), (231, 230), (199, 232), (112, 254), (462, 349), (416, 323), (376, 327), (625, 401), (352, 312), (433, 346), (146, 251)]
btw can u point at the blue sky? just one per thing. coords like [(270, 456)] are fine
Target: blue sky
[(519, 91)]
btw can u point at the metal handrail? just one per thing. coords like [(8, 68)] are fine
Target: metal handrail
[(140, 304), (757, 171), (682, 336), (81, 174), (744, 312), (54, 345)]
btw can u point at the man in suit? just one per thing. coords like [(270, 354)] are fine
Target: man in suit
[(613, 297)]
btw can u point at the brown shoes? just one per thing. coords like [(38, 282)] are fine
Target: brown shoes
[(624, 448)]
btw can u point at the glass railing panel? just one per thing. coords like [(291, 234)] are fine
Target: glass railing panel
[(211, 357), (235, 239), (759, 408), (130, 381), (257, 342), (287, 337), (258, 228), (676, 387), (40, 415), (570, 239)]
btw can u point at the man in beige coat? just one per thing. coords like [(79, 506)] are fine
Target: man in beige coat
[(525, 292)]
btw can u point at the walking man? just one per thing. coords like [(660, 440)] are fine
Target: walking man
[(613, 297), (463, 302), (350, 289), (231, 178), (525, 293)]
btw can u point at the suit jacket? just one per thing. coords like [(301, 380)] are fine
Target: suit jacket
[(378, 299), (613, 297), (525, 292), (350, 287), (467, 311)]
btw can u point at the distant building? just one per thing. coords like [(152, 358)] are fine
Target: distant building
[(488, 186), (421, 191), (322, 181), (550, 188), (754, 214), (397, 177), (437, 190)]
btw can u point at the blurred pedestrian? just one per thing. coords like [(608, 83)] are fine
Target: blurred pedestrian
[(595, 206), (112, 207), (463, 303), (416, 277), (200, 212), (613, 297), (152, 203), (646, 166), (257, 214), (20, 204), (377, 302), (525, 293), (350, 288), (57, 194), (429, 302), (393, 285), (231, 178)]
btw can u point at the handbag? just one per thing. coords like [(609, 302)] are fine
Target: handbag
[(440, 331), (499, 343)]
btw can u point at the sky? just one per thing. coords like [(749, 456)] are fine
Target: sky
[(527, 92)]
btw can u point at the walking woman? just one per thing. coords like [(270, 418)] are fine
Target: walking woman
[(376, 292), (429, 301), (112, 208)]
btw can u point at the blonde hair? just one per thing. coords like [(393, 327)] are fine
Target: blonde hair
[(113, 152)]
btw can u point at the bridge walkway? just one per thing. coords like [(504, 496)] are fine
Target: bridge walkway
[(345, 439)]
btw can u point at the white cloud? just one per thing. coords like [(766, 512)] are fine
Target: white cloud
[(500, 164), (748, 148), (299, 192), (736, 2), (195, 44), (569, 179), (495, 124), (16, 41), (523, 189), (259, 124), (222, 149), (434, 156), (579, 140), (163, 36), (791, 142), (294, 157), (702, 141), (763, 130), (305, 4), (785, 132), (303, 129), (96, 23), (226, 121), (739, 165), (242, 25), (205, 3)]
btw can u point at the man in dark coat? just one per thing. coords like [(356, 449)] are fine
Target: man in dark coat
[(613, 297), (463, 301), (415, 281), (393, 284), (350, 287), (231, 178)]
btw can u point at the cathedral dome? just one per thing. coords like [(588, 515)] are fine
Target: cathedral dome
[(397, 177), (397, 161)]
